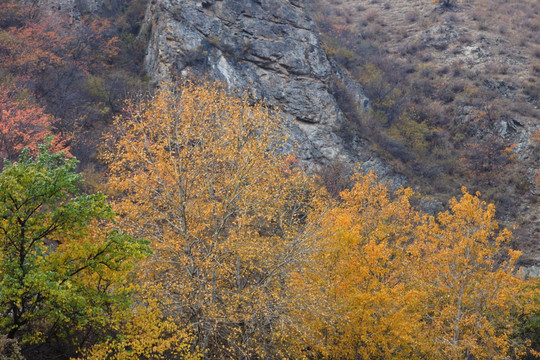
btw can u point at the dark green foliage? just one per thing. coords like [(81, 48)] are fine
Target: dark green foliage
[(62, 267)]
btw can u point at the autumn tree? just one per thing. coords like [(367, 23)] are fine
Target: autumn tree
[(202, 174), (475, 296), (144, 333), (391, 282), (32, 42), (36, 44), (23, 124), (357, 297), (62, 264)]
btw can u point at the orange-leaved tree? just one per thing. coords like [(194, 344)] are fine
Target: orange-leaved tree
[(357, 297), (23, 124), (201, 174), (38, 44), (32, 42), (475, 295), (390, 282)]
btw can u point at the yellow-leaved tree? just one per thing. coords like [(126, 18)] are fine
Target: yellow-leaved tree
[(357, 297), (144, 333), (202, 175), (391, 282), (475, 295)]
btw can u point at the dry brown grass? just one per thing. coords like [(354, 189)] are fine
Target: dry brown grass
[(453, 66)]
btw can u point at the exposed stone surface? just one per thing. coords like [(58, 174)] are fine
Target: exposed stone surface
[(267, 47)]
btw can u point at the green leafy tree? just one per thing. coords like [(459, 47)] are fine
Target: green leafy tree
[(62, 265)]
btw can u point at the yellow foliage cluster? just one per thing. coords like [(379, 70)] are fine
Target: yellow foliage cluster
[(201, 177), (392, 282), (258, 262), (145, 334), (356, 296)]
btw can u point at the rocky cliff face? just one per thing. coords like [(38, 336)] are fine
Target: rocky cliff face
[(269, 48)]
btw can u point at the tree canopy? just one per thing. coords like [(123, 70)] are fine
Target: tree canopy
[(246, 256), (200, 174), (260, 262), (62, 263)]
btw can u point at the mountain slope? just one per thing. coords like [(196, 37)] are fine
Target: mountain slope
[(457, 94)]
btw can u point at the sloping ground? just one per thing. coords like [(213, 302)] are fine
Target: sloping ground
[(470, 72), (473, 70)]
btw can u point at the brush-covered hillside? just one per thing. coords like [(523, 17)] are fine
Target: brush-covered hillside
[(269, 179), (454, 91)]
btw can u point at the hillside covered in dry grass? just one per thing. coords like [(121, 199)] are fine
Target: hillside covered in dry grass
[(454, 95)]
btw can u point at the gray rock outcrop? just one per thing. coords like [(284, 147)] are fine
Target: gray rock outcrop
[(267, 47)]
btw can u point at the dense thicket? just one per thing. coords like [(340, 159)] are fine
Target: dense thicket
[(260, 263), (66, 75)]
